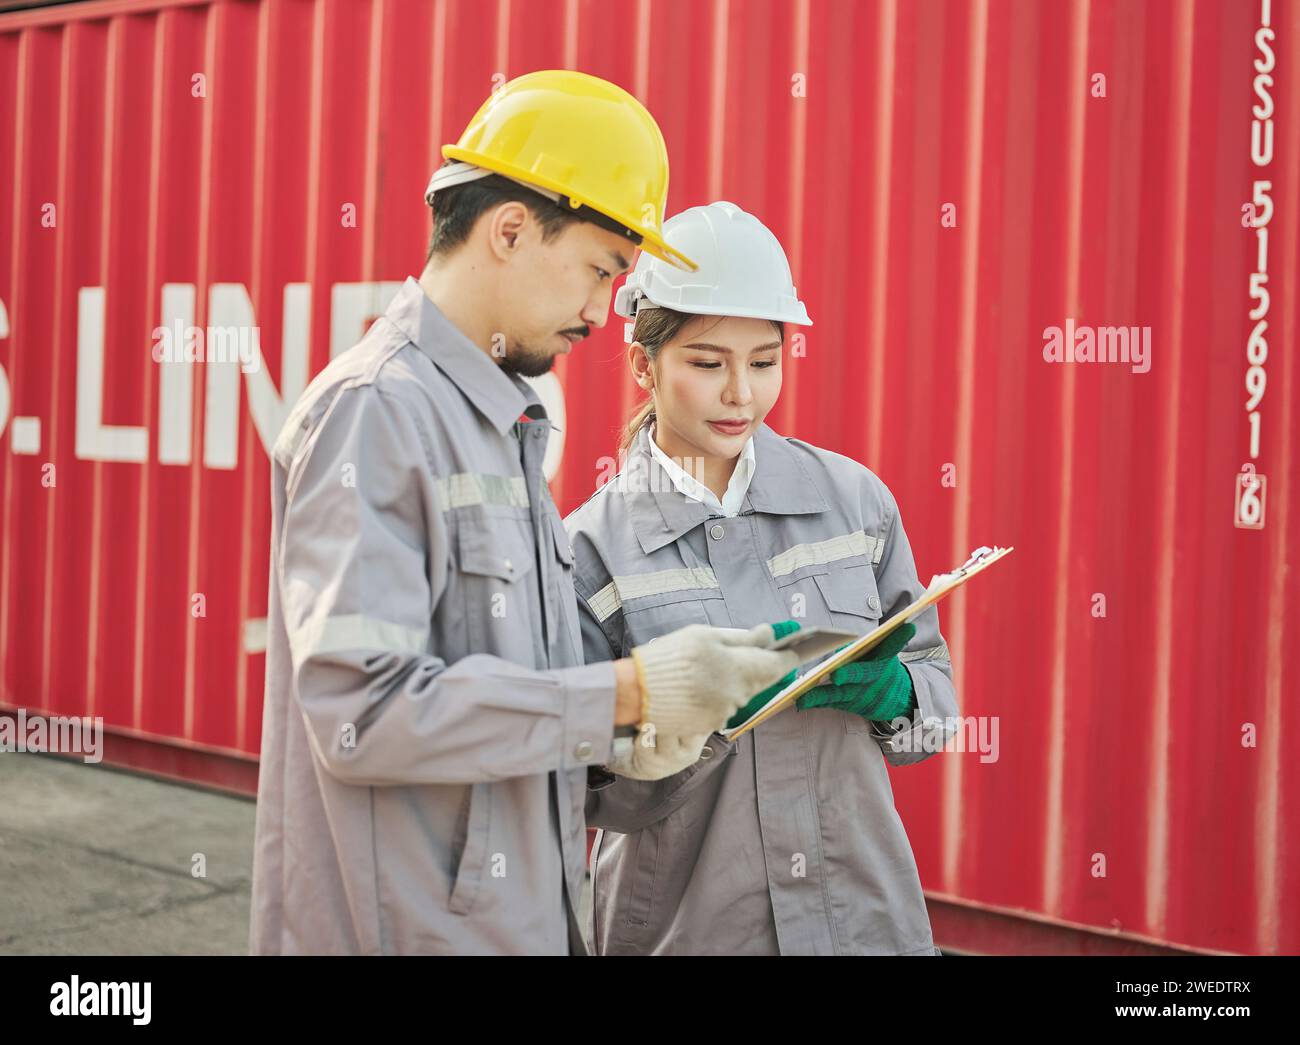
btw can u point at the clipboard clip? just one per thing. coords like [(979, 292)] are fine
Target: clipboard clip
[(976, 557)]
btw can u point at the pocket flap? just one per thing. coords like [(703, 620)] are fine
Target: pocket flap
[(501, 549), (851, 589)]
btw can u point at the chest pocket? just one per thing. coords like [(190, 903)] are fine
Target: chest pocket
[(837, 594), (851, 597), (853, 603), (649, 616), (496, 556)]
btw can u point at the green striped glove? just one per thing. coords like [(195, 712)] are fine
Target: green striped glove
[(877, 687)]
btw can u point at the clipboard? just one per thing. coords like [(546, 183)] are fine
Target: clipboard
[(940, 587), (811, 644)]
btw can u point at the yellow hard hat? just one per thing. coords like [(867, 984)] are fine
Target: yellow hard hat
[(583, 138)]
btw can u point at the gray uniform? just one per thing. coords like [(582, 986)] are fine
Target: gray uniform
[(786, 840), (427, 733)]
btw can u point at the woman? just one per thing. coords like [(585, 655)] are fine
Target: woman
[(785, 841)]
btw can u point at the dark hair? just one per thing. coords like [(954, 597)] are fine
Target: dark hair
[(654, 328), (455, 210)]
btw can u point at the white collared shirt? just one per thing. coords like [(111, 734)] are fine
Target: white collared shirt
[(689, 486)]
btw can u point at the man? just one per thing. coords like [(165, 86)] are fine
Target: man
[(428, 727)]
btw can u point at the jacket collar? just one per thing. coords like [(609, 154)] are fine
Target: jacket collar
[(689, 486), (781, 485), (498, 396)]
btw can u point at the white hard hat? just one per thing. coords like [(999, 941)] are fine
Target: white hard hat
[(742, 270)]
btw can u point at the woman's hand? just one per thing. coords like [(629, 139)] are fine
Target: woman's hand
[(877, 687)]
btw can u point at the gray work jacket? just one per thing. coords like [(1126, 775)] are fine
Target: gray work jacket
[(427, 729), (786, 840)]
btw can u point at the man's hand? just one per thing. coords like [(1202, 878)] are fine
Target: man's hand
[(694, 678), (653, 757)]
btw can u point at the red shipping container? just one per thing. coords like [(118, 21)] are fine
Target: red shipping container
[(952, 181)]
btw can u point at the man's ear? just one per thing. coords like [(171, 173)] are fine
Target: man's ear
[(508, 227), (642, 372)]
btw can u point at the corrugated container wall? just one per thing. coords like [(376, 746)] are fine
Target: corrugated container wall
[(950, 179)]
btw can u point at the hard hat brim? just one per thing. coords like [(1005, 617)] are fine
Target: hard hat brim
[(651, 241), (799, 318)]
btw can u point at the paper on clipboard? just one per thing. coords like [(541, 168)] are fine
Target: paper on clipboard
[(941, 585)]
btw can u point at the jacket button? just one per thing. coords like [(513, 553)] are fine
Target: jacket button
[(716, 532), (873, 602), (509, 565), (583, 751), (706, 754)]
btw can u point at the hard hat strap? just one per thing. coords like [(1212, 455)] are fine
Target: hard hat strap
[(458, 173), (641, 303), (597, 218)]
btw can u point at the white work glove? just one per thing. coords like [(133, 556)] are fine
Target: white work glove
[(695, 678), (653, 757)]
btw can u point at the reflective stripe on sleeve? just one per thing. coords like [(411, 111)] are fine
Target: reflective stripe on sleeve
[(607, 601), (355, 632)]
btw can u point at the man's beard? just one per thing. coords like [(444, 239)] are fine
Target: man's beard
[(526, 362)]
